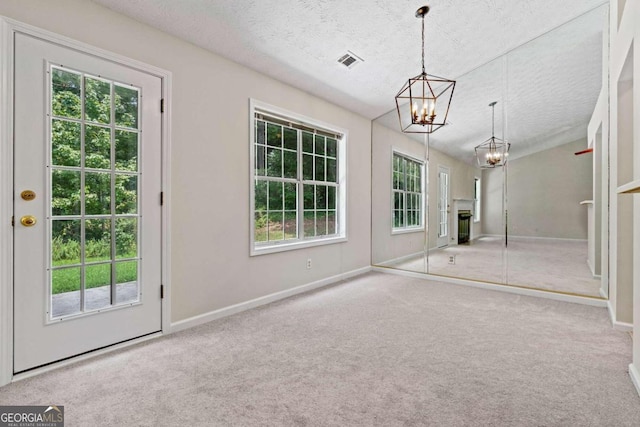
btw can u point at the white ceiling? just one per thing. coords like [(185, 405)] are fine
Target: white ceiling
[(548, 86), (299, 42)]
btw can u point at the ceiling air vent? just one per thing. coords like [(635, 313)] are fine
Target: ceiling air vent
[(350, 59)]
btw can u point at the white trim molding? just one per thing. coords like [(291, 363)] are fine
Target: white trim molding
[(267, 299), (342, 136), (8, 29), (635, 377), (595, 302), (6, 202), (617, 325)]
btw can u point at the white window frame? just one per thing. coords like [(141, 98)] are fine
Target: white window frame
[(261, 248), (477, 195), (410, 229)]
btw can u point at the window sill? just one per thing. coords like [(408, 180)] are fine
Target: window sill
[(406, 230), (283, 247)]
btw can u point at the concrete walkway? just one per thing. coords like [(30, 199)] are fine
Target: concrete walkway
[(68, 303)]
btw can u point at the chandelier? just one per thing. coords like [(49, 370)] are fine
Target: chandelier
[(494, 151), (423, 102)]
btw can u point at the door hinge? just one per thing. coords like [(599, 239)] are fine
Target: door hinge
[(162, 105), (13, 221), (161, 291), (162, 198)]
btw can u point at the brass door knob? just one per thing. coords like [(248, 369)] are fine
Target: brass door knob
[(28, 220)]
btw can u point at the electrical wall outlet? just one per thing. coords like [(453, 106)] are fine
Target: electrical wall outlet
[(308, 263)]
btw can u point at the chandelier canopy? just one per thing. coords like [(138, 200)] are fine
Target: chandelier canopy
[(423, 102)]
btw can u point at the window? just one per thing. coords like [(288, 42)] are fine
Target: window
[(407, 193), (476, 200), (298, 196)]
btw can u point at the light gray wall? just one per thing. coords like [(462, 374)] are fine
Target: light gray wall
[(387, 246), (461, 176), (625, 205), (211, 267), (544, 191), (491, 203)]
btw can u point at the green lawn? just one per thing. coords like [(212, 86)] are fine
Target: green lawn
[(68, 279)]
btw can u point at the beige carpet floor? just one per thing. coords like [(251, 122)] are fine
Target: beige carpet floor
[(549, 264), (377, 350)]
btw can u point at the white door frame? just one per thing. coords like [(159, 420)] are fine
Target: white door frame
[(8, 28), (448, 171)]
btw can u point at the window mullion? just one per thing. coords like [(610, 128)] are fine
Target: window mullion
[(300, 187)]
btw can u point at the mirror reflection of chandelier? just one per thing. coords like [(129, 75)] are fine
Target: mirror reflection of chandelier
[(494, 151), (416, 101)]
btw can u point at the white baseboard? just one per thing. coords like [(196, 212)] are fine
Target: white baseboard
[(635, 377), (595, 302), (400, 259), (593, 271), (618, 326), (559, 239), (247, 305), (603, 294)]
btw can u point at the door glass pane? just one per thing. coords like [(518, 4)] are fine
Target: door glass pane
[(97, 100), (126, 194), (65, 91), (126, 237), (127, 282), (126, 151), (65, 191), (65, 143), (97, 283), (84, 248), (126, 105), (65, 242), (97, 199), (97, 147), (65, 291), (97, 240)]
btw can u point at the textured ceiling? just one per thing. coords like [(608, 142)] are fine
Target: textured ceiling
[(546, 92), (299, 41)]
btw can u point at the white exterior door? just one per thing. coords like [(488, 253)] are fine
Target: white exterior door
[(87, 211), (443, 206)]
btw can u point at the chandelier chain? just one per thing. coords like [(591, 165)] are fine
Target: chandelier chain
[(493, 119), (423, 44)]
